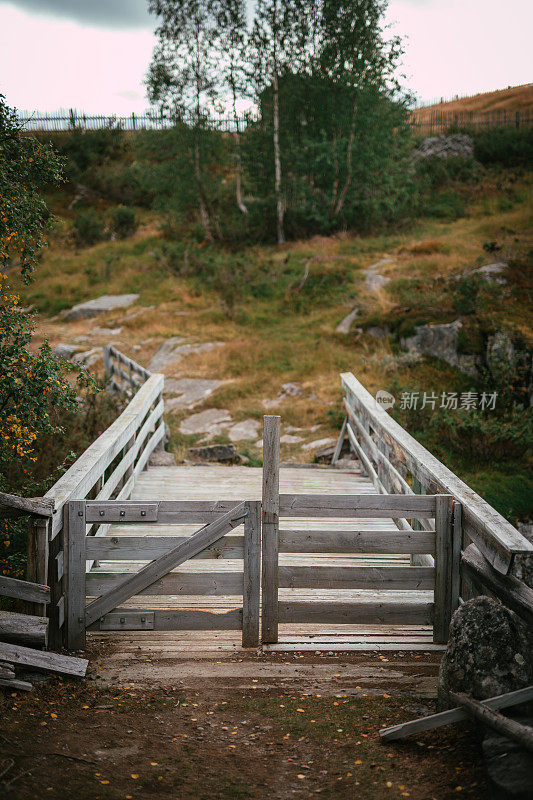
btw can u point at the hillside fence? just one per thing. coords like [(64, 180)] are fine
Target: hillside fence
[(426, 120)]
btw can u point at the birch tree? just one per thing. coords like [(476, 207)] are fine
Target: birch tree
[(182, 78)]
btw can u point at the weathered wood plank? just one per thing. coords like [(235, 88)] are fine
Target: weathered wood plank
[(393, 612), (354, 647), (132, 585), (270, 527), (16, 685), (126, 621), (512, 592), (523, 734), (340, 441), (187, 619), (24, 590), (42, 660), (324, 577), (13, 505), (453, 715), (23, 629), (443, 567), (114, 511), (174, 583), (146, 548), (252, 575), (497, 539), (356, 541), (74, 561), (309, 505)]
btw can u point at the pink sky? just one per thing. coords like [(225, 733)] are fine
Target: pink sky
[(68, 53)]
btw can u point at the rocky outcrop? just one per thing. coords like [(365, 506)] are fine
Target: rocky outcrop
[(108, 302), (457, 145), (488, 652), (191, 391), (173, 350), (436, 340), (214, 452)]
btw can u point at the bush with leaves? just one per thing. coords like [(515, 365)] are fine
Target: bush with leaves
[(89, 227), (123, 221)]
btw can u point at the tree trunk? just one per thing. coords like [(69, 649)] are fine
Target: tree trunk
[(277, 163), (204, 213), (344, 192), (238, 166)]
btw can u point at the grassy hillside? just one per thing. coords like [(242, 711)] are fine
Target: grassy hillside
[(276, 310), (514, 98)]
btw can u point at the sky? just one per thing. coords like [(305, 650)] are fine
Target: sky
[(92, 55)]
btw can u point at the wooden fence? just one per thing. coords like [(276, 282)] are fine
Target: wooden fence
[(426, 120), (107, 469), (398, 463)]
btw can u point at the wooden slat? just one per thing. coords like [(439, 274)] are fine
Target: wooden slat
[(75, 574), (497, 539), (252, 575), (393, 612), (356, 541), (127, 621), (174, 583), (13, 505), (42, 660), (114, 511), (443, 568), (340, 442), (309, 505), (23, 629), (365, 461), (323, 577), (24, 590), (146, 548), (270, 527), (132, 585), (168, 619), (355, 647)]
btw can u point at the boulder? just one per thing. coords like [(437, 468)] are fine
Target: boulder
[(488, 652), (64, 352), (191, 391), (290, 438), (210, 421), (346, 323), (160, 458), (246, 430), (108, 302), (492, 272), (173, 350), (214, 452), (458, 144), (318, 444), (436, 340), (523, 565)]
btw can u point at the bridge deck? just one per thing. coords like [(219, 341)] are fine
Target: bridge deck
[(244, 483)]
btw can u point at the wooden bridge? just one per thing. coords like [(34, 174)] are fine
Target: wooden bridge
[(283, 558)]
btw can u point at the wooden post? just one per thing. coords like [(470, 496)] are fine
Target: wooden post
[(252, 574), (419, 559), (270, 527), (75, 574), (456, 554), (55, 581), (443, 567), (37, 564), (340, 442)]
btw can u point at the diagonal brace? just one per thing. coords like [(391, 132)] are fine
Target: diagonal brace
[(155, 570)]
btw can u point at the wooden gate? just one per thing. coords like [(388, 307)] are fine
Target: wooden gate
[(109, 592)]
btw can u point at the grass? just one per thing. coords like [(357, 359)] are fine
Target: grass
[(279, 326)]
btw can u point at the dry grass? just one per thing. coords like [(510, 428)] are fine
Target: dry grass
[(513, 98)]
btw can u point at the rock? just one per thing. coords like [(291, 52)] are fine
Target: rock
[(378, 333), (214, 452), (509, 767), (109, 332), (345, 324), (291, 389), (173, 350), (160, 458), (192, 391), (89, 358), (373, 280), (488, 652), (64, 352), (492, 272), (244, 431), (458, 144), (289, 438), (319, 443), (211, 421), (100, 305), (436, 340), (523, 565)]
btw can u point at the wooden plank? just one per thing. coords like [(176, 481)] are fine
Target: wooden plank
[(16, 685), (127, 621), (174, 583), (252, 575), (23, 629), (391, 612), (340, 442), (453, 715), (115, 511), (37, 552), (24, 590), (356, 541), (495, 537), (74, 533), (324, 577), (11, 505), (55, 546), (355, 647), (457, 536), (168, 619), (60, 565), (43, 660), (157, 436), (365, 461), (146, 548), (510, 728), (362, 505), (443, 567), (132, 585), (270, 527), (61, 611), (512, 592), (79, 479)]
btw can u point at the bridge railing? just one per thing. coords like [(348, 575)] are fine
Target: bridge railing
[(107, 470), (398, 463)]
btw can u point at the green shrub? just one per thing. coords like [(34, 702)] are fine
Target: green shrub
[(445, 205), (506, 147), (89, 227), (123, 221)]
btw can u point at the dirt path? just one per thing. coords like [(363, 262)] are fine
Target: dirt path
[(233, 726)]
